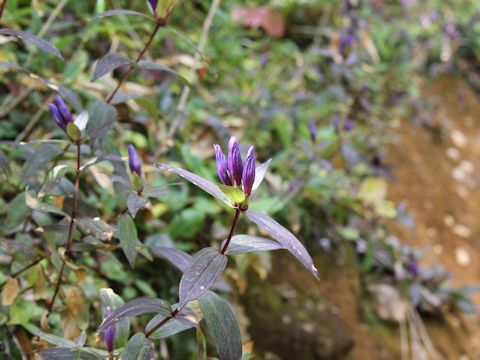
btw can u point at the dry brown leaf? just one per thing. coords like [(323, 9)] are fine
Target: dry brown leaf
[(10, 291)]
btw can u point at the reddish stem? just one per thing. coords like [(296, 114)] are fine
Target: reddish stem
[(232, 229)]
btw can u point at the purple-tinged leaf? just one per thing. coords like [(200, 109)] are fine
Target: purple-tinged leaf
[(138, 348), (207, 267), (133, 308), (120, 12), (127, 233), (58, 353), (246, 244), (39, 43), (176, 257), (101, 118), (222, 325), (171, 327), (108, 63), (199, 181), (96, 227), (135, 203), (260, 171), (284, 237)]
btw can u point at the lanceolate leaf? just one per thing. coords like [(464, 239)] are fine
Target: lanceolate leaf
[(260, 171), (176, 257), (199, 181), (222, 326), (127, 233), (284, 237), (119, 12), (134, 308), (108, 63), (36, 204), (58, 353), (246, 243), (39, 43), (51, 339), (101, 117), (138, 348), (207, 266)]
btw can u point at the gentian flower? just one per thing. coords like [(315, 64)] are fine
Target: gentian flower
[(109, 335), (60, 112), (235, 166), (222, 166), (348, 125), (231, 170), (248, 175), (134, 161)]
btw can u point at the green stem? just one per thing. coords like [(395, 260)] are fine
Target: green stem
[(70, 229)]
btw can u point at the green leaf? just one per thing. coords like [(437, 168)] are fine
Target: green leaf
[(50, 338), (17, 211), (138, 348), (35, 204), (233, 192), (73, 132), (127, 233), (201, 345), (222, 326), (39, 43)]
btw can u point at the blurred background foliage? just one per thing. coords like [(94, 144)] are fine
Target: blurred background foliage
[(319, 86)]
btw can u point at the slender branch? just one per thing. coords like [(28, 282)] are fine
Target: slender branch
[(232, 229), (137, 60), (207, 24), (2, 7), (70, 229), (26, 267), (161, 323)]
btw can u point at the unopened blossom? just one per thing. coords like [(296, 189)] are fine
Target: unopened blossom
[(109, 335), (232, 171), (60, 112), (248, 176), (134, 161), (312, 129)]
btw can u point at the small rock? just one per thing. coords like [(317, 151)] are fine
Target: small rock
[(458, 138), (462, 231), (449, 220), (462, 256), (453, 153)]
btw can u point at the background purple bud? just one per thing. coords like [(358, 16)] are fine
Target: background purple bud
[(222, 166), (248, 175), (348, 125), (109, 335), (312, 127), (134, 161), (235, 166), (64, 110)]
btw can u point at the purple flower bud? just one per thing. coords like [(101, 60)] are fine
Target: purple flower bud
[(56, 116), (60, 112), (335, 122), (134, 161), (248, 175), (312, 128), (222, 166), (235, 166), (63, 109), (413, 267), (109, 335)]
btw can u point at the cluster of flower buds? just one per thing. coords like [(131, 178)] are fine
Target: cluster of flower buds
[(232, 171), (134, 161), (109, 335), (60, 113)]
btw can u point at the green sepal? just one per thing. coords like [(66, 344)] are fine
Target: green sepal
[(73, 132), (234, 193)]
